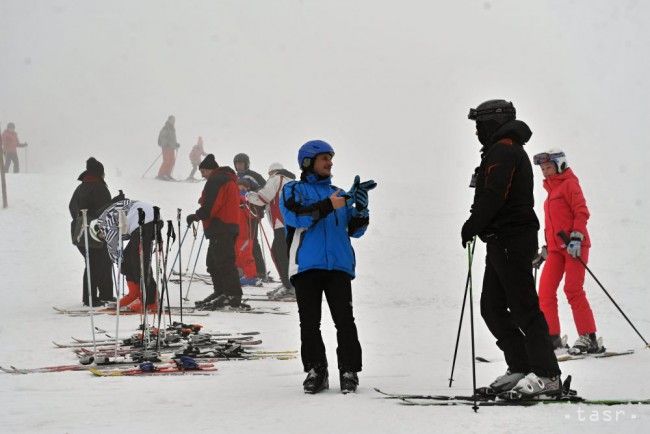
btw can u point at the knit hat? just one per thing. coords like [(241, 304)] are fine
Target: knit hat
[(208, 162), (94, 167)]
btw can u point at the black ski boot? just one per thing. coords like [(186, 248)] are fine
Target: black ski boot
[(559, 342), (349, 381), (235, 302), (587, 344), (214, 304), (206, 300), (316, 381)]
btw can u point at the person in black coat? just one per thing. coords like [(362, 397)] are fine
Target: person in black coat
[(92, 194), (503, 217)]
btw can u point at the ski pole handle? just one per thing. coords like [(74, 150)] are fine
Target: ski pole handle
[(566, 238), (156, 214), (140, 217), (170, 231)]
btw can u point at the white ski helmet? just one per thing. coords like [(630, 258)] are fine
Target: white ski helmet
[(274, 167), (93, 228), (556, 156)]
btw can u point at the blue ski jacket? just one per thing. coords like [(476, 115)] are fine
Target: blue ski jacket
[(318, 236)]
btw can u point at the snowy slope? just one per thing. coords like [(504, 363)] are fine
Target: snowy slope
[(407, 298)]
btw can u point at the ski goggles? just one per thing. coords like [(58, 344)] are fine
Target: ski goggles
[(475, 114), (545, 157)]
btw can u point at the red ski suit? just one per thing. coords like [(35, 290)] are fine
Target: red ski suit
[(244, 245), (565, 209)]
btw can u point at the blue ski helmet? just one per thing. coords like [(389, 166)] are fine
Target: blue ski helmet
[(310, 150)]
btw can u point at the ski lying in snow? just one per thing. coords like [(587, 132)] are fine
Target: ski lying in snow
[(432, 397), (112, 364), (564, 357), (530, 402), (165, 370), (253, 310), (568, 357), (110, 311), (266, 298)]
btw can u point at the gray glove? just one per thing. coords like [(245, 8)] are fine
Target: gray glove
[(539, 259), (575, 245)]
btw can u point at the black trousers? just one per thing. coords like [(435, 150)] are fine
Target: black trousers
[(257, 249), (220, 261), (101, 275), (131, 260), (11, 157), (510, 307), (281, 256), (310, 286)]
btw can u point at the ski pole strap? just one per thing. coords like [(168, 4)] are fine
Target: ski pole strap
[(170, 231), (140, 217)]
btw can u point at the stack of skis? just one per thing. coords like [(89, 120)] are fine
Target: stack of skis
[(179, 349)]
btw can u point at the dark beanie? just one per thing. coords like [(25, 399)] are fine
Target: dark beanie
[(94, 167), (208, 162)]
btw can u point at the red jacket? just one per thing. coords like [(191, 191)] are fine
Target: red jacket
[(565, 209), (10, 142), (220, 203)]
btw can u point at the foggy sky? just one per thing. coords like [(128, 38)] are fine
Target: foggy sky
[(389, 84)]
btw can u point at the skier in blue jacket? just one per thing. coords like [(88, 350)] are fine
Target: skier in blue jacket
[(320, 219)]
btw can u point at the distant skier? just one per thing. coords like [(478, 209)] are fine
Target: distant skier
[(269, 196), (320, 222), (106, 227), (219, 212), (92, 194), (502, 215), (196, 154), (169, 145), (565, 209), (10, 145), (242, 165)]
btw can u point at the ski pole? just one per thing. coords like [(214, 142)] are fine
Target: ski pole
[(189, 257), (460, 322), (170, 235), (122, 224), (470, 258), (270, 249), (143, 289), (189, 285), (567, 240), (171, 269), (180, 265), (151, 165), (157, 242), (84, 213)]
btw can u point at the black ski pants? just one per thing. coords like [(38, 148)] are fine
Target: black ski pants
[(510, 307), (131, 260), (281, 256), (220, 262), (11, 157), (310, 286), (260, 265), (101, 275)]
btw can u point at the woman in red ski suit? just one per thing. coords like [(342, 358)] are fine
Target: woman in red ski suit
[(565, 209)]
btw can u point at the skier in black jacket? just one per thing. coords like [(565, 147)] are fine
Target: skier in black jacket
[(92, 194), (502, 215)]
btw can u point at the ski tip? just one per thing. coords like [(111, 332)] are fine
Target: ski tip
[(481, 359)]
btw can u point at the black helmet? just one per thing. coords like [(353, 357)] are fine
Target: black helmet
[(242, 158), (498, 110)]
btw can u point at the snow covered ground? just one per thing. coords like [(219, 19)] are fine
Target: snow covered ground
[(407, 299)]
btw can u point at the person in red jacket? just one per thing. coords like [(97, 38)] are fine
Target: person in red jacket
[(195, 157), (244, 246), (565, 210), (10, 145), (219, 213)]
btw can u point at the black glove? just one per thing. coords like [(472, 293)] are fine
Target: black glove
[(191, 218), (540, 257), (466, 234)]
